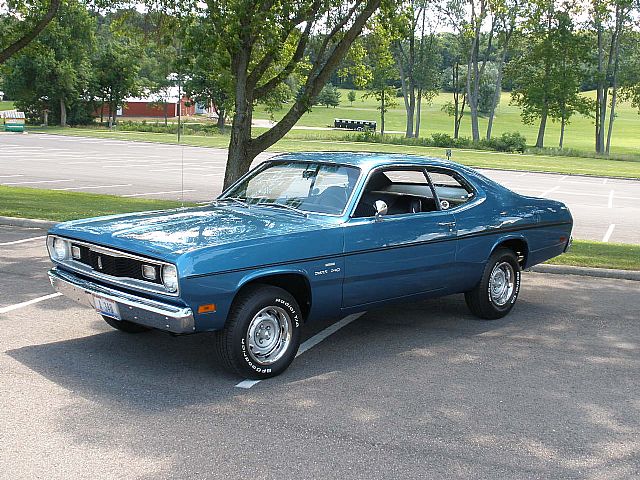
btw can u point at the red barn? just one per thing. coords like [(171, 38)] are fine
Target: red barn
[(154, 106)]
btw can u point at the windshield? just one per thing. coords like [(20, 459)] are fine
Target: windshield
[(309, 187)]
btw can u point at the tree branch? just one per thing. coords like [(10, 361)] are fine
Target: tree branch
[(32, 34), (317, 78), (286, 71)]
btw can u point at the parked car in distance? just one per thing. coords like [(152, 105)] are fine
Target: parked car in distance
[(306, 236)]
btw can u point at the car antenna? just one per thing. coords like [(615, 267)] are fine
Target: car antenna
[(180, 126)]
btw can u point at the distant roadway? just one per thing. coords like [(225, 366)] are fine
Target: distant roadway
[(604, 209)]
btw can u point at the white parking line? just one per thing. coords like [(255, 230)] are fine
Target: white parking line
[(156, 193), (29, 302), (40, 181), (551, 190), (94, 186), (10, 176), (24, 240), (607, 235), (604, 181), (312, 342), (146, 165), (610, 199)]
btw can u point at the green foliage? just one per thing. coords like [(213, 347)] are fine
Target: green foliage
[(55, 67), (548, 72), (507, 142), (351, 96), (329, 96)]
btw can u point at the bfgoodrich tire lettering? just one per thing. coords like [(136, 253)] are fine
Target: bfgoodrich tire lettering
[(498, 289), (262, 333)]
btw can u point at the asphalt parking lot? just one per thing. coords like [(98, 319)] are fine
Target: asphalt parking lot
[(421, 391), (604, 209)]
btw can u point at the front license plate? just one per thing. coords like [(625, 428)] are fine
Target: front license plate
[(107, 307)]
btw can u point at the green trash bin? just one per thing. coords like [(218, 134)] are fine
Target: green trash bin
[(14, 121)]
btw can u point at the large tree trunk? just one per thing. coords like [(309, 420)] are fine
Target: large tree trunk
[(472, 71), (382, 107), (220, 124), (612, 116), (240, 152), (63, 113), (416, 132), (498, 92), (543, 126), (242, 148), (600, 90)]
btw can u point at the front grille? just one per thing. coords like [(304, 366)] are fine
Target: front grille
[(115, 266)]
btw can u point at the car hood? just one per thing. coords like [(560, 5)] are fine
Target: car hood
[(169, 234)]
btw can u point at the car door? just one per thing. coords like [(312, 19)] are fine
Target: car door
[(401, 253)]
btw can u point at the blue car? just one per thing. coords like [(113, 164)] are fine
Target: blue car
[(307, 236)]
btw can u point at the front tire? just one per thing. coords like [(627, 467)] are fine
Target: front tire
[(125, 326), (497, 292), (262, 333)]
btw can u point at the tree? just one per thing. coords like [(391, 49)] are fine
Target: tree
[(548, 70), (264, 43), (351, 96), (329, 96), (116, 67), (21, 21), (382, 69), (614, 16), (507, 14), (454, 78), (54, 72), (468, 18), (208, 82), (416, 53)]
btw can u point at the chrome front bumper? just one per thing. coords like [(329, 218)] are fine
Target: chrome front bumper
[(144, 311)]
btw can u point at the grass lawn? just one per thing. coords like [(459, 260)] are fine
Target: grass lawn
[(61, 206), (584, 253), (579, 133), (4, 105), (301, 140)]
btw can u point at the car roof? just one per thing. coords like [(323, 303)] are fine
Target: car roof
[(366, 160)]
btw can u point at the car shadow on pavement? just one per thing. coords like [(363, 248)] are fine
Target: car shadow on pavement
[(137, 369)]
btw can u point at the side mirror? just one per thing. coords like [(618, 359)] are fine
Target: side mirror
[(381, 209)]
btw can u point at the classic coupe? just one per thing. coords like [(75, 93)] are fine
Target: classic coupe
[(306, 236)]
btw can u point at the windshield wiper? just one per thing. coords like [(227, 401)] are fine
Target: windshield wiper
[(237, 200), (283, 205)]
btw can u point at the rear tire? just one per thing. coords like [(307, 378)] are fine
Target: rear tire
[(497, 292), (262, 333), (125, 326)]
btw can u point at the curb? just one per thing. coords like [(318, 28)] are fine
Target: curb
[(587, 272), (26, 222)]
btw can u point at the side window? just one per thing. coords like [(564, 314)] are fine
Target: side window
[(402, 190), (451, 189)]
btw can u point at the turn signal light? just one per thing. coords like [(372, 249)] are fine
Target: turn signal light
[(209, 307)]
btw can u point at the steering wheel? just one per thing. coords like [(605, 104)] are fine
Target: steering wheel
[(444, 204)]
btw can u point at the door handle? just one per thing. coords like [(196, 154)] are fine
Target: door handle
[(447, 224)]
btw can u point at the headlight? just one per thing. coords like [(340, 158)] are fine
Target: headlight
[(170, 278), (59, 249)]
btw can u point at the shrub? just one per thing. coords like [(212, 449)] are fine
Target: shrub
[(509, 142)]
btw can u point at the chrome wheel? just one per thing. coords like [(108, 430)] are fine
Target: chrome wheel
[(269, 335), (501, 283)]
